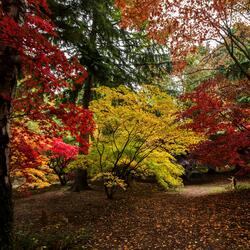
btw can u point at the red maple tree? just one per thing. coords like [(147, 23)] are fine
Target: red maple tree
[(60, 154), (218, 112), (27, 53)]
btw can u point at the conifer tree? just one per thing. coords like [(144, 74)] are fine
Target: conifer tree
[(111, 55)]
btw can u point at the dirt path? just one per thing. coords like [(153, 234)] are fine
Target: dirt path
[(216, 186), (143, 218), (203, 190)]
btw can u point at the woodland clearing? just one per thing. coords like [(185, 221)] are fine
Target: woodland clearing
[(204, 216)]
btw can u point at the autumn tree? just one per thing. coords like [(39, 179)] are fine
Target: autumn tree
[(217, 93), (185, 25), (220, 104), (137, 133), (26, 160), (219, 108), (60, 154), (112, 55), (44, 71)]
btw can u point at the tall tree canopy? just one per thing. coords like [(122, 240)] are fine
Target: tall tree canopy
[(113, 55), (187, 24)]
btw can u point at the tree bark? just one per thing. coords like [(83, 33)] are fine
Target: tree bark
[(81, 180), (109, 192), (8, 73), (8, 78), (81, 175)]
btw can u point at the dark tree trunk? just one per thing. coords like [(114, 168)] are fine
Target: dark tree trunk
[(8, 77), (81, 175), (81, 180), (62, 179), (7, 85), (109, 192), (59, 172), (8, 72)]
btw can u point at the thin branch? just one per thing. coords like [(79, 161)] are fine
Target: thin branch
[(235, 59)]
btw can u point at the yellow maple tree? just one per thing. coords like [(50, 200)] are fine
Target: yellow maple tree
[(138, 133)]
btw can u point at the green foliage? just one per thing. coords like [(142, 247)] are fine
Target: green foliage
[(244, 99), (166, 171), (112, 55), (88, 162), (198, 69)]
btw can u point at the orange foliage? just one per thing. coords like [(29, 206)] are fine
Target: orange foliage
[(186, 23), (26, 157)]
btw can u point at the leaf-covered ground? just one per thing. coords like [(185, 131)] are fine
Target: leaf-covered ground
[(198, 217)]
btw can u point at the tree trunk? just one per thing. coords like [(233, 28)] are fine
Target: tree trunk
[(8, 72), (81, 180), (8, 77), (109, 192), (62, 179)]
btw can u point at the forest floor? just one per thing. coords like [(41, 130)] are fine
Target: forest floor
[(199, 216)]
